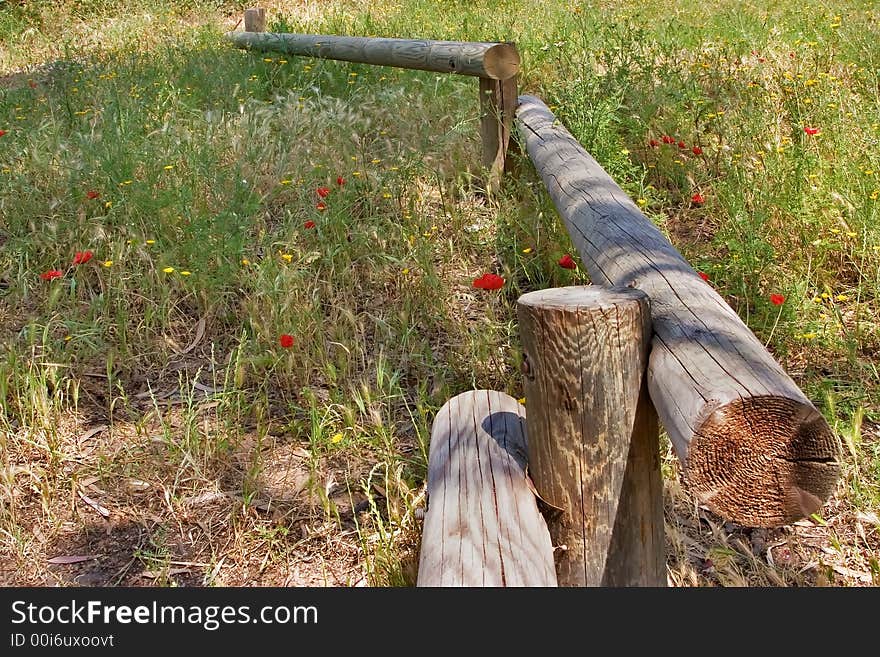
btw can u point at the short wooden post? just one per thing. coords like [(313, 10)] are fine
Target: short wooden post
[(483, 526), (498, 100), (255, 20), (593, 433)]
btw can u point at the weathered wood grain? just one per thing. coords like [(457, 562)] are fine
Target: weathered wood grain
[(593, 434), (482, 527), (498, 100), (498, 61), (755, 449)]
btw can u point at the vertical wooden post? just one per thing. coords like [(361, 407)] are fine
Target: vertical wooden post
[(593, 433), (498, 100), (255, 20)]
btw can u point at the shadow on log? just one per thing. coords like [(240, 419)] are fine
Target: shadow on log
[(754, 448), (483, 527)]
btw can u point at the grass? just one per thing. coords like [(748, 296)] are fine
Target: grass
[(151, 380)]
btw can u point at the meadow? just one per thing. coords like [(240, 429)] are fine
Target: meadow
[(235, 288)]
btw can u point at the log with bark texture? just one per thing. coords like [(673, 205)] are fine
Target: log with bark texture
[(498, 61), (483, 527), (593, 435), (753, 446)]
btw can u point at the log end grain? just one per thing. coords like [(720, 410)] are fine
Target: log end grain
[(501, 61), (763, 461)]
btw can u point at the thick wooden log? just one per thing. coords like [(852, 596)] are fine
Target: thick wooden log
[(498, 100), (753, 446), (498, 61), (593, 433), (482, 527), (255, 19)]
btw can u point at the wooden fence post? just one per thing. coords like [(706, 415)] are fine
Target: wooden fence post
[(593, 433), (255, 20), (498, 100)]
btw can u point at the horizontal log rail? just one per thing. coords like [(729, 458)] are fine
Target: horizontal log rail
[(754, 448), (495, 61), (495, 64)]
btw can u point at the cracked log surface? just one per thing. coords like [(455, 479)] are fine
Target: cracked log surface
[(754, 448), (483, 526), (593, 437), (498, 61)]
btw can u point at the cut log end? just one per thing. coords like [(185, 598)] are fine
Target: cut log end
[(764, 461), (501, 61), (574, 297)]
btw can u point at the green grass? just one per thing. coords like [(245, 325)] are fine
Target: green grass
[(191, 169)]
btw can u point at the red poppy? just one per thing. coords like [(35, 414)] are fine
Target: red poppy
[(696, 150), (32, 84), (82, 257), (92, 194), (668, 140), (322, 191), (340, 181), (761, 59), (811, 131), (682, 145), (704, 276), (320, 205), (2, 132), (309, 224), (566, 262), (489, 282), (777, 299), (653, 143), (52, 273), (286, 340), (697, 199)]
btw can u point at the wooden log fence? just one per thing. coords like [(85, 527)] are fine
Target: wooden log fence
[(650, 338), (754, 448), (495, 64)]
